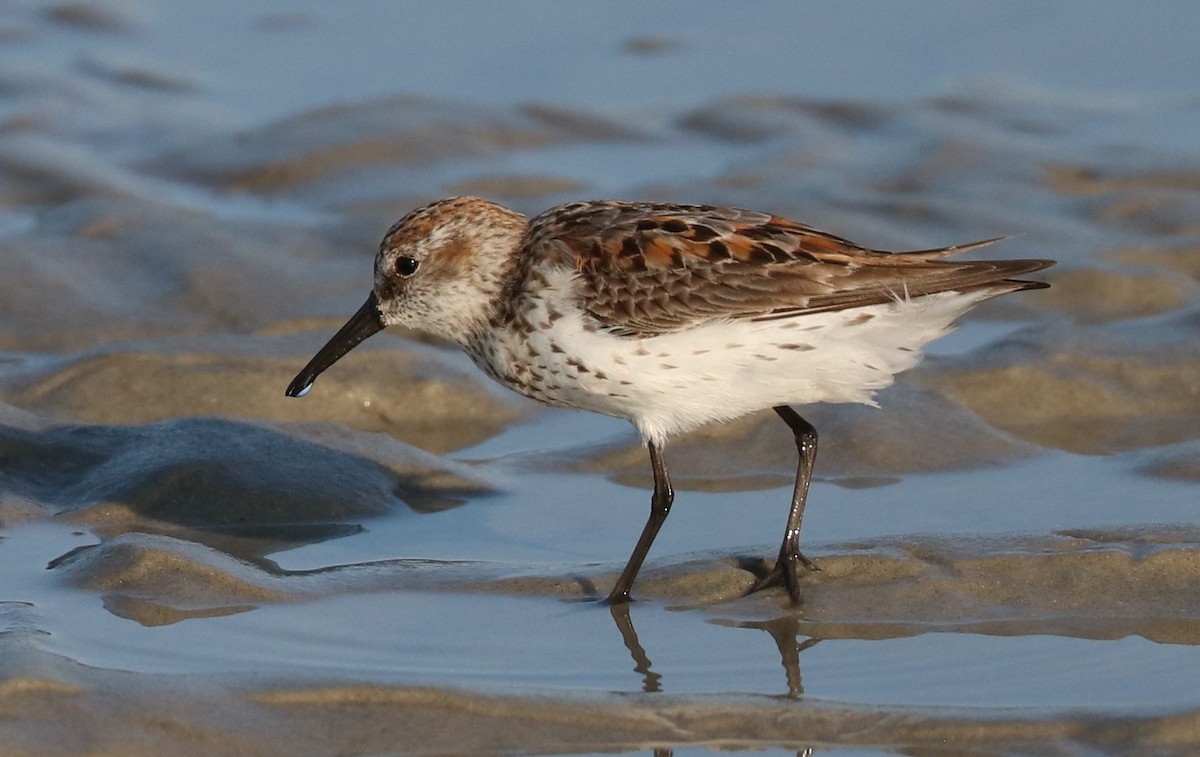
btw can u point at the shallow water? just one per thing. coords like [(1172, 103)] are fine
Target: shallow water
[(189, 203)]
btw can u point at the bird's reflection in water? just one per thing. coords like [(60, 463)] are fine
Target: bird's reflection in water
[(651, 681), (667, 752), (784, 630)]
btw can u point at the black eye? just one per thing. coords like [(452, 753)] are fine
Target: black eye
[(407, 266)]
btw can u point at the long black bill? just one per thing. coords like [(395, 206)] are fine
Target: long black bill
[(361, 325)]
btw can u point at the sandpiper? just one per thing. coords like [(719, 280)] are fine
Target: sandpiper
[(670, 316)]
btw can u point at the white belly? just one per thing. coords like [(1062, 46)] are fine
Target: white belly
[(674, 382)]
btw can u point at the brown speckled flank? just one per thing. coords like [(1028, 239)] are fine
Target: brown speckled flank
[(671, 316)]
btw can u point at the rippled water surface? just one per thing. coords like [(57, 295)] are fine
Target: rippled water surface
[(404, 561)]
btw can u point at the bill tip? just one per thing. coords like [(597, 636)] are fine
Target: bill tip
[(299, 391)]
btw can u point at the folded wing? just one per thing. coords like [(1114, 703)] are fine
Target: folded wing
[(651, 268)]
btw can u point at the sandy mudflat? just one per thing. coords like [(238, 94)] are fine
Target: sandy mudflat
[(401, 563), (371, 720)]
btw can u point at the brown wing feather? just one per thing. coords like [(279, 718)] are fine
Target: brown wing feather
[(651, 268)]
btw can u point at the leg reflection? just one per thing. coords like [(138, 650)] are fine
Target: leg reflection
[(651, 681), (785, 630)]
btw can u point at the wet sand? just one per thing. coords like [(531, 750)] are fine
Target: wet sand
[(195, 564)]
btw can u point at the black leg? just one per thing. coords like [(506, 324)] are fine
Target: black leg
[(787, 566), (660, 505)]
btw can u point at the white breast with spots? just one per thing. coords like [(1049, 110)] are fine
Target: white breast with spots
[(721, 370)]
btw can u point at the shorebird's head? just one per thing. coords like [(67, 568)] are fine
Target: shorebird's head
[(439, 270)]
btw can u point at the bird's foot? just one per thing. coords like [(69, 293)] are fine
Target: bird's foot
[(616, 599), (786, 573)]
